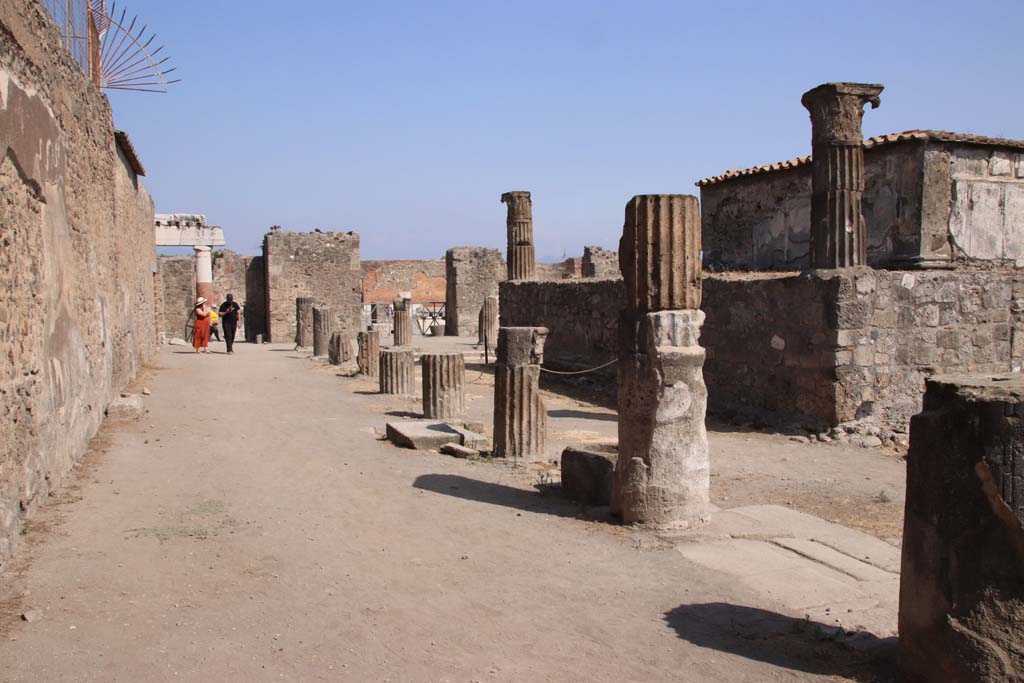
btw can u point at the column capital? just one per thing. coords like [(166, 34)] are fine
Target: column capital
[(837, 110), (520, 205)]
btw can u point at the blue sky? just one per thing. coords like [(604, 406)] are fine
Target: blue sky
[(405, 121)]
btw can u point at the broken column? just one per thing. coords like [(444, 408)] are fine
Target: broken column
[(444, 380), (521, 261), (838, 234), (661, 476), (961, 614), (403, 321), (323, 321), (487, 331), (303, 322), (368, 358), (204, 273), (397, 372), (339, 350), (520, 418)]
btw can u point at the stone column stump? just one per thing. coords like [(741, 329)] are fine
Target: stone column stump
[(323, 321), (487, 332), (662, 472), (304, 322), (368, 358), (403, 322), (444, 381), (520, 418), (961, 612), (339, 350), (397, 372), (522, 262)]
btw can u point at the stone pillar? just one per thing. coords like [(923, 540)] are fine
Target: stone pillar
[(339, 349), (323, 321), (204, 273), (444, 381), (961, 612), (521, 261), (662, 473), (368, 358), (520, 418), (403, 321), (838, 235), (488, 323), (397, 372), (303, 322)]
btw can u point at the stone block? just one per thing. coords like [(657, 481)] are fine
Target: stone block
[(125, 408), (423, 435), (587, 476), (457, 451)]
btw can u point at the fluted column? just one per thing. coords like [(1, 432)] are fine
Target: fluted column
[(521, 260), (520, 418), (304, 322), (339, 349), (444, 380), (323, 321), (838, 234), (368, 358), (397, 371), (662, 473), (487, 331), (403, 321)]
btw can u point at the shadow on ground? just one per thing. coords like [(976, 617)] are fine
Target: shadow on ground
[(584, 415), (796, 644), (547, 501)]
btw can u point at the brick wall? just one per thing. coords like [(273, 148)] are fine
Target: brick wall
[(384, 280)]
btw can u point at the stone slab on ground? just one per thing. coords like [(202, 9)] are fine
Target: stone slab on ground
[(125, 408), (431, 435), (457, 451)]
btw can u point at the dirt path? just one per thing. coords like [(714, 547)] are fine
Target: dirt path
[(252, 527)]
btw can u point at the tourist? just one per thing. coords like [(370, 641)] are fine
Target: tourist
[(214, 326), (229, 314), (201, 332)]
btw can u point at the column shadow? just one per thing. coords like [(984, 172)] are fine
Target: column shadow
[(786, 642)]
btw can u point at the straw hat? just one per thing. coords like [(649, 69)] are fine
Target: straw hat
[(200, 301)]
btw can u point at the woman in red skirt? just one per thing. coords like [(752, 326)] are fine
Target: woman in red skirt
[(201, 332)]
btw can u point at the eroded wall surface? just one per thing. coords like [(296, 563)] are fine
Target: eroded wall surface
[(472, 275), (984, 203), (384, 280), (77, 304), (600, 263), (322, 265)]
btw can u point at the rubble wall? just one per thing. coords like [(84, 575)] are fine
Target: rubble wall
[(472, 274), (600, 263), (322, 265), (77, 297), (178, 284)]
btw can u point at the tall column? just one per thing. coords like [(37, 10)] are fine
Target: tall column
[(397, 372), (961, 614), (444, 380), (838, 235), (204, 273), (521, 260), (403, 321), (487, 331), (368, 358), (323, 321), (662, 474), (303, 322), (520, 418)]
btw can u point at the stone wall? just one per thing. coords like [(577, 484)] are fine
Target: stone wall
[(555, 271), (384, 280), (582, 316), (178, 284), (322, 265), (472, 274), (77, 300), (254, 308), (601, 263)]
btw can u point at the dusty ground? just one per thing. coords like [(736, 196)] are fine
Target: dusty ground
[(252, 526)]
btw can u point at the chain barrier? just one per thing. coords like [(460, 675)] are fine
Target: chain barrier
[(579, 372)]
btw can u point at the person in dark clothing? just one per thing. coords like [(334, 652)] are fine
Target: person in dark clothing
[(229, 319)]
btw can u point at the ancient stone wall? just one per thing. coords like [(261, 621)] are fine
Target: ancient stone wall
[(473, 274), (254, 308), (984, 202), (322, 265), (600, 263), (553, 271), (383, 281), (178, 284), (77, 297), (582, 316)]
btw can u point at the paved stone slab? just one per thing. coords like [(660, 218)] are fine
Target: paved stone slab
[(841, 562), (457, 451), (424, 435)]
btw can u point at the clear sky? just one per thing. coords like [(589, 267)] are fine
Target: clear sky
[(405, 121)]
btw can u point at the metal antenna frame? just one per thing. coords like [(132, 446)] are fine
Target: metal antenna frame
[(126, 61)]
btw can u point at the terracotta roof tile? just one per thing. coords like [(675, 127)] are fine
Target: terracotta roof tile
[(125, 143), (908, 135)]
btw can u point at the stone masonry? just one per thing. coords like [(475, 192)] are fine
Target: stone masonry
[(324, 265), (520, 418), (662, 473), (78, 300), (522, 261), (601, 264), (473, 274), (961, 613), (444, 380)]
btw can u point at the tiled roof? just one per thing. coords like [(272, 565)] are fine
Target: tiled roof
[(932, 135), (125, 143)]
